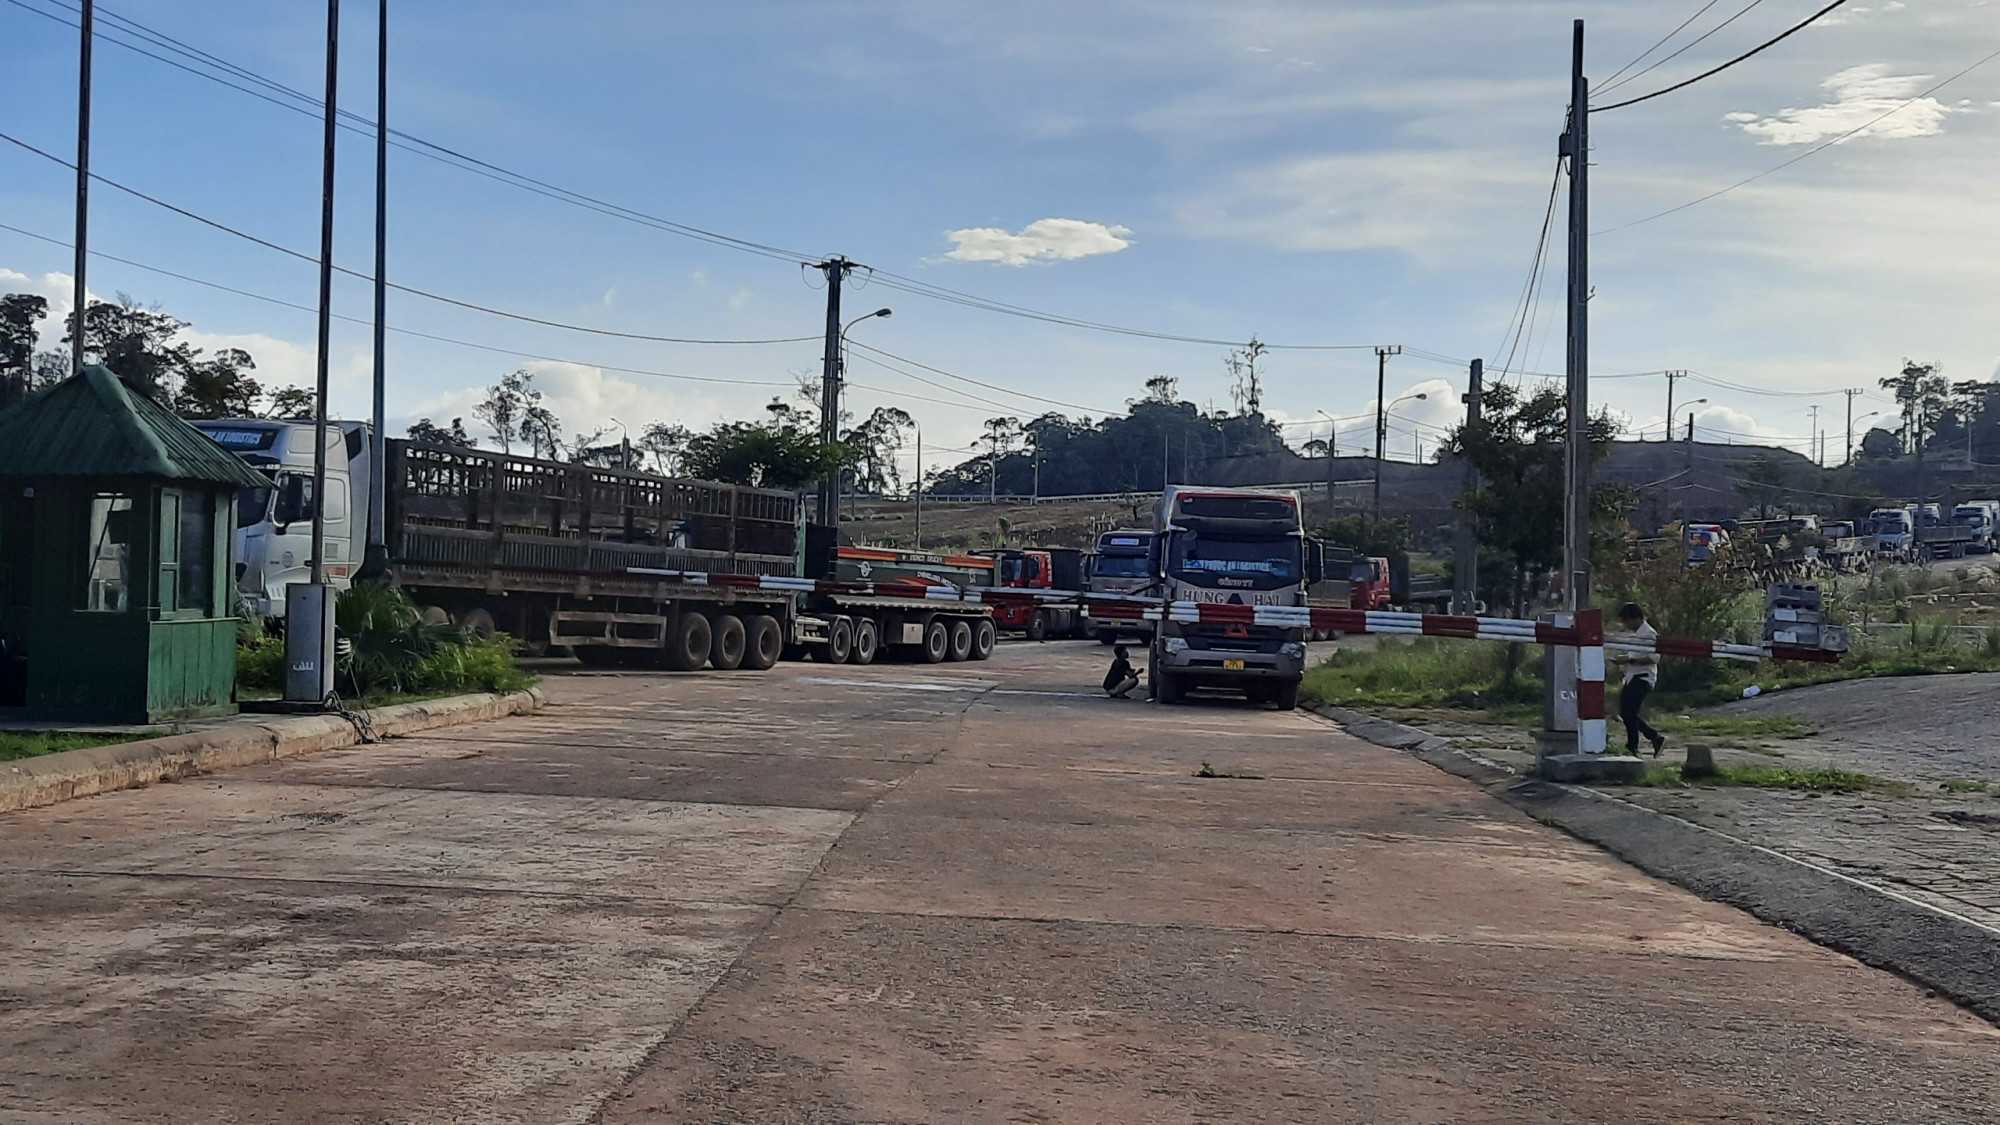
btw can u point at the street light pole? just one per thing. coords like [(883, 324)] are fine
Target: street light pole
[(1332, 446), (1576, 451), (833, 378), (920, 482), (79, 297), (375, 560)]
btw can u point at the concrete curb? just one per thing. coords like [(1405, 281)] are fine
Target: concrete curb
[(53, 778), (1953, 956)]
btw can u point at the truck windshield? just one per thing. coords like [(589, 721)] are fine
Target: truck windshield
[(1121, 566), (1214, 561)]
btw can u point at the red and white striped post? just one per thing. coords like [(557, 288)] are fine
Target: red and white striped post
[(1591, 735)]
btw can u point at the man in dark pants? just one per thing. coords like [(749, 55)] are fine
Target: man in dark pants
[(1122, 677), (1642, 674)]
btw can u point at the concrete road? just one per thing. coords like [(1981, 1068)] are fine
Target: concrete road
[(966, 893), (1915, 728)]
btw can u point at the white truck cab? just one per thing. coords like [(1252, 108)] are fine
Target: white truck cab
[(273, 545)]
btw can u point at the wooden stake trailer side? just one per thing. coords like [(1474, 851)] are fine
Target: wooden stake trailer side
[(555, 553)]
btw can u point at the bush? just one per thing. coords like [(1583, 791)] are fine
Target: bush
[(389, 651)]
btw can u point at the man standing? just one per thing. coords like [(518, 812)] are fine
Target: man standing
[(1642, 675)]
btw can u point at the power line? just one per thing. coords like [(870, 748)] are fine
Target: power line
[(1712, 71), (309, 104), (1822, 147), (1664, 39), (426, 294), (1697, 41), (1534, 276), (976, 382)]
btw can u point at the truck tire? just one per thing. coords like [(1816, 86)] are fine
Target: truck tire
[(1107, 636), (1087, 627), (1167, 688), (687, 649), (764, 644), (477, 622), (937, 641), (983, 636), (1038, 627), (867, 641), (839, 640), (961, 641), (731, 640), (1287, 696)]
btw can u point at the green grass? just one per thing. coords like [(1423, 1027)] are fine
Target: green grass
[(1776, 777), (1960, 785), (15, 745), (1425, 672), (1725, 727)]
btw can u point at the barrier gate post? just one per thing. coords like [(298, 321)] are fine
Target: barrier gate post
[(1576, 733)]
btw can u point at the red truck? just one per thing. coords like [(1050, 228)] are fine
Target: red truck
[(1368, 585), (1039, 568)]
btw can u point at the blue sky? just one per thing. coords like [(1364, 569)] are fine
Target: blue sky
[(1313, 173)]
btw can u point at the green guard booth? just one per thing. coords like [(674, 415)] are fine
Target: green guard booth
[(116, 589)]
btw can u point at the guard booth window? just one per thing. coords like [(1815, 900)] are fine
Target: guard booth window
[(108, 576), (187, 547)]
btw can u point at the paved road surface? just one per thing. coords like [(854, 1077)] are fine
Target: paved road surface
[(1917, 728), (901, 894)]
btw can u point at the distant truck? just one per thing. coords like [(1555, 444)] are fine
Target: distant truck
[(1123, 564), (1983, 518), (1894, 530), (1847, 547), (1239, 547), (1040, 568), (620, 567), (1938, 536), (1376, 582)]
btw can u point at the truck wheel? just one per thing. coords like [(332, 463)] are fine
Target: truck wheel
[(840, 640), (687, 649), (937, 641), (1087, 627), (731, 639), (477, 622), (867, 641), (961, 640), (1038, 627), (1167, 689), (1107, 636), (765, 643), (983, 636), (1288, 696)]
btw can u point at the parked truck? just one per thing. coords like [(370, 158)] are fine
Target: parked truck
[(1123, 564), (619, 567), (1894, 530), (1237, 546), (1982, 517), (1040, 568), (1937, 535)]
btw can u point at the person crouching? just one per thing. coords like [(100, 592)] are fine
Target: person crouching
[(1121, 678)]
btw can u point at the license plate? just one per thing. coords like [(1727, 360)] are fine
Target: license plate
[(1232, 665)]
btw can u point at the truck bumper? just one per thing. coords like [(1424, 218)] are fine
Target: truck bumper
[(1221, 664)]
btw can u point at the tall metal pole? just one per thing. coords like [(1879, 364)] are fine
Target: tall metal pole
[(325, 291), (1382, 355), (920, 485), (375, 563), (1576, 477), (78, 293), (835, 270), (1465, 570), (1850, 393), (1672, 378)]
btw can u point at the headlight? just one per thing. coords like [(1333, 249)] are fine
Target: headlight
[(1176, 644), (1293, 648)]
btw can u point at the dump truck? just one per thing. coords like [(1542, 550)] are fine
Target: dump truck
[(615, 565)]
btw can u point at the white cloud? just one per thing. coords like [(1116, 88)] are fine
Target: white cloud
[(1057, 240), (583, 397), (1860, 95)]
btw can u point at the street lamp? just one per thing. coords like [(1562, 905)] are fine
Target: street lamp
[(1332, 447), (1850, 435), (1381, 440), (1690, 429), (831, 426)]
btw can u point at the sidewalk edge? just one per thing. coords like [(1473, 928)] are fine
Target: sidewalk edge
[(1953, 956), (53, 778)]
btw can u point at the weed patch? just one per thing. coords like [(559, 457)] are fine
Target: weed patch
[(1776, 777), (16, 745)]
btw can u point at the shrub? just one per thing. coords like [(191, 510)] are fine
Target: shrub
[(1425, 672)]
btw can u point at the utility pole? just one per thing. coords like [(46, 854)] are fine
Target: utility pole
[(1814, 431), (1850, 393), (78, 294), (1672, 378), (318, 564), (836, 270), (920, 485), (1382, 354), (1465, 567), (1576, 453), (375, 561)]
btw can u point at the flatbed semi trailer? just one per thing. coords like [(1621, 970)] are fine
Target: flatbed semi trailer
[(615, 565)]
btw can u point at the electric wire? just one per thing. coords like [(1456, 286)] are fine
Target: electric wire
[(1663, 41), (1822, 147), (1610, 85), (975, 382), (444, 154), (411, 290), (1712, 71), (1534, 272)]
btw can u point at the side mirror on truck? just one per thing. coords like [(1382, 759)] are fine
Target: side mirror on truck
[(1315, 561), (294, 501)]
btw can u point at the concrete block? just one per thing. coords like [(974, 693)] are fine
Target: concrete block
[(1612, 768)]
